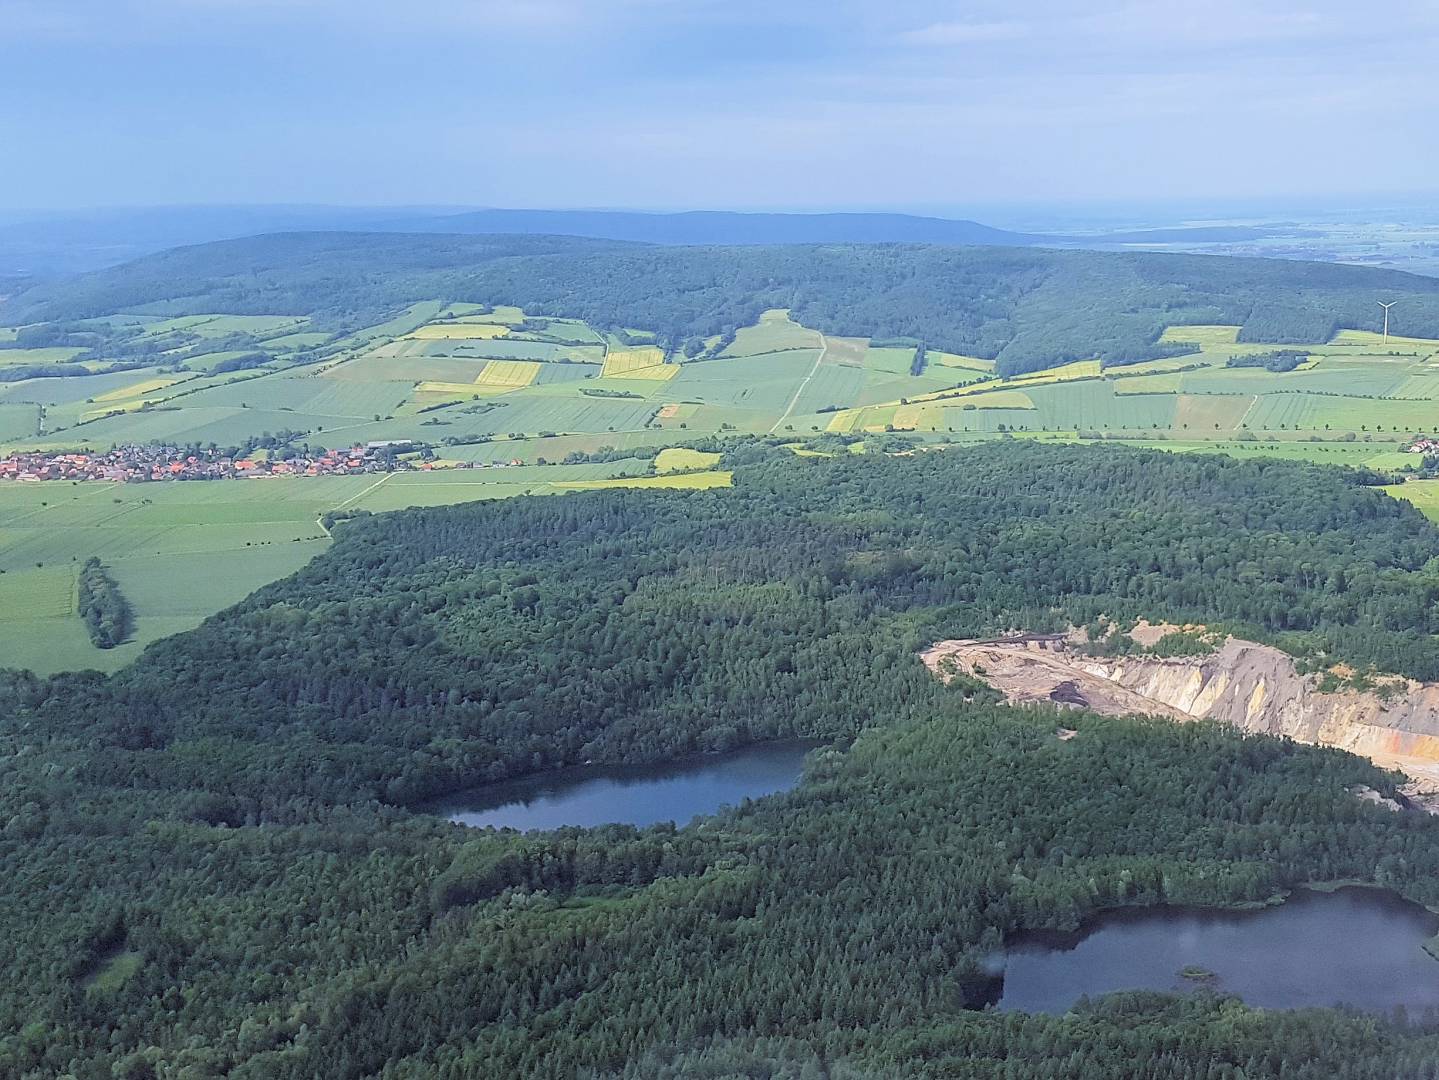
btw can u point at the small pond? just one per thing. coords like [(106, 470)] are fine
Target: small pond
[(637, 795), (1354, 946)]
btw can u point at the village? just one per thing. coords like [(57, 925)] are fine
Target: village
[(154, 463)]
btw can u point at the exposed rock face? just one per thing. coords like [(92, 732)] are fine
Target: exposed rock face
[(1254, 687)]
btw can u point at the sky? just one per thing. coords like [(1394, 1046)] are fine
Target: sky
[(736, 104)]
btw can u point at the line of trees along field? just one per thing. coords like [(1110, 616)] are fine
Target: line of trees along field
[(1026, 308), (208, 870), (107, 614)]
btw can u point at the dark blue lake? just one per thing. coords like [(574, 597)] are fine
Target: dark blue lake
[(1356, 946), (637, 795)]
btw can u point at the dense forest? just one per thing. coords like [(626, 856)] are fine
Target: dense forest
[(1026, 308), (209, 868)]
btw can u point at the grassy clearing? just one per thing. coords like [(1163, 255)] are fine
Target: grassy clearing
[(114, 973), (774, 332), (1202, 335), (891, 360), (681, 459), (955, 360), (1423, 494), (501, 313)]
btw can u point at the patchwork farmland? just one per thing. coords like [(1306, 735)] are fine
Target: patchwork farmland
[(492, 386), (460, 375)]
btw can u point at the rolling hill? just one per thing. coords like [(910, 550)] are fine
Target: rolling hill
[(1026, 309)]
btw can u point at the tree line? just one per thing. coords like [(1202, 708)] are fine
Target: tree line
[(1026, 308)]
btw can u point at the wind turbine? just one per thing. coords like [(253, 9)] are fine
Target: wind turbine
[(1386, 308)]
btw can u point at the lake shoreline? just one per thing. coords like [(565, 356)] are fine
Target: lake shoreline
[(638, 794), (1298, 959)]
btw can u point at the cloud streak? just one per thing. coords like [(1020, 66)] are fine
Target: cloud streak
[(702, 102)]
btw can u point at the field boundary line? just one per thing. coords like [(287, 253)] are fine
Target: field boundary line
[(362, 494), (41, 509), (824, 348), (1253, 404)]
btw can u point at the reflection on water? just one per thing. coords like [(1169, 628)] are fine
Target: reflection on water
[(630, 795), (1359, 947)]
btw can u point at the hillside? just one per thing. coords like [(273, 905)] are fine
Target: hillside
[(495, 403), (70, 243), (1026, 309), (717, 227), (238, 889)]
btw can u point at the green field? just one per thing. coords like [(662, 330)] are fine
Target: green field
[(683, 459), (489, 386), (181, 552), (1424, 494), (456, 375)]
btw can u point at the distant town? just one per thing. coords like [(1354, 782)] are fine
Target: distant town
[(148, 464)]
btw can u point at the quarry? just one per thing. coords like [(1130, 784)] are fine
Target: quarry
[(1254, 687)]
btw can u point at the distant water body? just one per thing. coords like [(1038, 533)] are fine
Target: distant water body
[(637, 795), (1358, 947)]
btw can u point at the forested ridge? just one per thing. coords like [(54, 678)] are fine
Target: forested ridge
[(208, 868), (1027, 308)]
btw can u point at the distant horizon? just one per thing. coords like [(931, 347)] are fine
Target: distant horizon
[(1001, 214)]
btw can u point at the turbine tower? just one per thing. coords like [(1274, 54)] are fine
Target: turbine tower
[(1386, 308)]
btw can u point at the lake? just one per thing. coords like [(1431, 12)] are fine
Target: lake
[(1355, 946), (637, 795)]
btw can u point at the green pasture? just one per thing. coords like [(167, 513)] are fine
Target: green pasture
[(766, 381), (831, 386), (182, 551), (774, 332), (683, 459), (1424, 494), (20, 357), (18, 421)]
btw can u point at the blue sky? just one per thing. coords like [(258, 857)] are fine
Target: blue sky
[(906, 104)]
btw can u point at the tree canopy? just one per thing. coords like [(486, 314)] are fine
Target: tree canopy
[(209, 867)]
